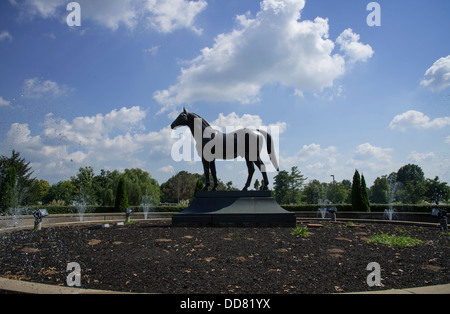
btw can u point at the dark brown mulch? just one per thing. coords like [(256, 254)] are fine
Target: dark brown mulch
[(152, 256)]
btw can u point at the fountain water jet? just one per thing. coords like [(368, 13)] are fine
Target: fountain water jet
[(81, 202), (148, 202), (393, 188)]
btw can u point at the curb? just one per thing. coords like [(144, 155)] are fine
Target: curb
[(9, 286)]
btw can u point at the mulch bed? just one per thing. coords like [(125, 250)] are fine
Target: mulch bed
[(152, 256)]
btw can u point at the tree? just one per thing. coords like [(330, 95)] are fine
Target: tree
[(256, 185), (413, 179), (84, 187), (10, 194), (61, 192), (410, 174), (23, 177), (121, 196), (379, 191), (313, 192), (341, 191), (295, 183), (364, 196), (199, 185), (140, 184), (436, 191), (179, 187), (230, 187), (357, 204), (38, 190), (281, 187)]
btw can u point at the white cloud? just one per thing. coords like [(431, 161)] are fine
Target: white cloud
[(372, 158), (418, 120), (168, 169), (101, 141), (367, 151), (421, 157), (37, 87), (275, 47), (153, 50), (169, 15), (313, 161), (351, 46), (5, 36), (3, 102), (233, 121), (437, 77), (165, 16)]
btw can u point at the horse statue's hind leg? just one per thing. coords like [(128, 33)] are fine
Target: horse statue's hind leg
[(207, 165), (259, 163), (251, 171)]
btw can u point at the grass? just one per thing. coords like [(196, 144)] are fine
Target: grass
[(301, 232), (396, 241)]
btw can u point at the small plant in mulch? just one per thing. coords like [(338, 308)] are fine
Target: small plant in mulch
[(300, 232), (395, 241)]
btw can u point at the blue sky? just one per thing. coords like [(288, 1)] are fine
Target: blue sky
[(344, 95)]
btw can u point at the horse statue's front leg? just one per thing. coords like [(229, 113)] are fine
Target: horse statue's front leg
[(212, 165), (206, 173)]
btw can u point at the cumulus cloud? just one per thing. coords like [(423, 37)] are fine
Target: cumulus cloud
[(233, 121), (167, 16), (4, 35), (420, 157), (167, 169), (101, 141), (3, 102), (437, 77), (314, 160), (369, 157), (351, 46), (274, 47), (38, 87), (418, 120), (163, 15)]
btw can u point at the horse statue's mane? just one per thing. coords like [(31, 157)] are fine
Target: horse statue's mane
[(205, 123)]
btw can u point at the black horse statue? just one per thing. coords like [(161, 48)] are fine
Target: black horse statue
[(212, 144)]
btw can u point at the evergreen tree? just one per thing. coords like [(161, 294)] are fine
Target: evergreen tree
[(199, 185), (295, 184), (10, 197), (23, 178), (357, 204), (121, 196), (281, 187), (364, 196)]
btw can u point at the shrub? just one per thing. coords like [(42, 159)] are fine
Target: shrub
[(121, 197)]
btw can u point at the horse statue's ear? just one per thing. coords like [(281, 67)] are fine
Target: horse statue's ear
[(184, 110)]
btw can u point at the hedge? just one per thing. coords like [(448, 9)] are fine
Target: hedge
[(373, 208), (293, 208)]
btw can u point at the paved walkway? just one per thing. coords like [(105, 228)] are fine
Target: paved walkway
[(15, 286)]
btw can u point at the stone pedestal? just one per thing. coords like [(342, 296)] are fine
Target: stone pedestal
[(234, 208)]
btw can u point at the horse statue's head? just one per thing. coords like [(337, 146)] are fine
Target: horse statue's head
[(182, 120)]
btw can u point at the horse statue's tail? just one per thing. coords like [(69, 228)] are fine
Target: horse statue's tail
[(270, 149)]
